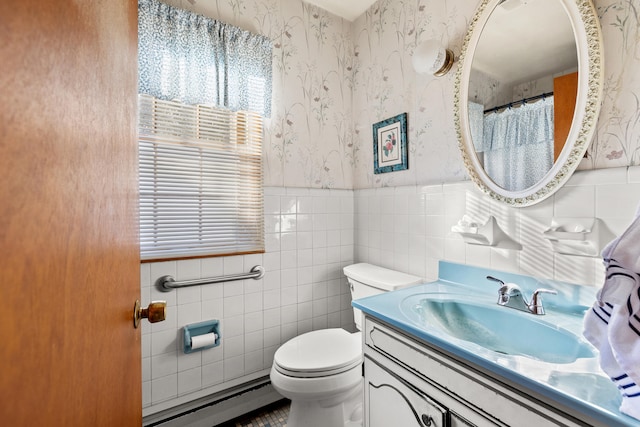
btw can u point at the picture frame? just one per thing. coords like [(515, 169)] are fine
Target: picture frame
[(390, 145)]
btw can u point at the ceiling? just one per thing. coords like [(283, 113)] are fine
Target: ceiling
[(510, 50), (347, 9), (525, 40)]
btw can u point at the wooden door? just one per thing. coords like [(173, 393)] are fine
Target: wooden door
[(69, 355), (565, 91)]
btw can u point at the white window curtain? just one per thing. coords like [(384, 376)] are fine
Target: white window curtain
[(186, 57), (200, 135)]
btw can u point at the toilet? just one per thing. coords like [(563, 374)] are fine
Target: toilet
[(321, 371)]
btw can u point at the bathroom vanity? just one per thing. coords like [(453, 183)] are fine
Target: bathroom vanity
[(445, 354)]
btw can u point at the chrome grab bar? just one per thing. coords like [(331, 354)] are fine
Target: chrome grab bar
[(167, 283)]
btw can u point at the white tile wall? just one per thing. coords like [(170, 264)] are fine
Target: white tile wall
[(311, 234), (409, 228), (309, 239)]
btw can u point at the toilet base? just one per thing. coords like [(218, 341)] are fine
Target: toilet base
[(343, 410)]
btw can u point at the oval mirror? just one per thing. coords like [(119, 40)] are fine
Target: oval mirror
[(527, 96)]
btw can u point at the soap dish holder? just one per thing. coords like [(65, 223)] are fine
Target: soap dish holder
[(577, 236), (479, 234)]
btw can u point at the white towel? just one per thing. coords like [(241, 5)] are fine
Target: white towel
[(613, 323), (621, 256), (597, 323)]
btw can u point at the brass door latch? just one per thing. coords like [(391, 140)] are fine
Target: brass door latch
[(155, 312)]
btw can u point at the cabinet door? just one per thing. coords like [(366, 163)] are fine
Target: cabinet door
[(391, 401), (458, 421)]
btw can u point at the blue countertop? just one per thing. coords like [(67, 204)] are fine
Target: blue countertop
[(579, 385)]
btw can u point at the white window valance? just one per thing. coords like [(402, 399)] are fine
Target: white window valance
[(191, 58)]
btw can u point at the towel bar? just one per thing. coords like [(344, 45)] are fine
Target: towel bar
[(167, 283)]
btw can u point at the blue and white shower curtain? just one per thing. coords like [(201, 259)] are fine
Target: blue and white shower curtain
[(516, 144)]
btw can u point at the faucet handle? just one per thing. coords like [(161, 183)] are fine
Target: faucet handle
[(543, 291), (535, 306), (495, 279), (504, 291)]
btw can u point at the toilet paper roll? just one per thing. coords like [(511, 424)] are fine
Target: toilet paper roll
[(205, 340)]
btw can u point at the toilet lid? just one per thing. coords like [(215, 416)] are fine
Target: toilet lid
[(379, 277), (319, 353)]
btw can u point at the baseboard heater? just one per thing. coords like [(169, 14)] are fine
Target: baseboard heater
[(218, 407)]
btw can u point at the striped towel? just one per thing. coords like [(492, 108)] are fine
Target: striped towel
[(613, 323)]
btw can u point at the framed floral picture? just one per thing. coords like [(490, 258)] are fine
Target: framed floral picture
[(390, 145)]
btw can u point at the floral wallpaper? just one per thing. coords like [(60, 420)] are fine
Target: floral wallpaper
[(386, 84), (333, 79), (309, 137), (617, 142)]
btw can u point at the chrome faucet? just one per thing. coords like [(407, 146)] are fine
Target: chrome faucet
[(510, 295)]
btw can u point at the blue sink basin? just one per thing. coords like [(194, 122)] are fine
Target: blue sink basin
[(499, 329)]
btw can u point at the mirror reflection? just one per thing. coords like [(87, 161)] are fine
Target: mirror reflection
[(522, 91)]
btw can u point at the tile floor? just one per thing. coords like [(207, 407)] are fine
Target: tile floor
[(274, 415)]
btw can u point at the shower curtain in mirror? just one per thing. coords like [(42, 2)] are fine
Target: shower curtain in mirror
[(516, 146)]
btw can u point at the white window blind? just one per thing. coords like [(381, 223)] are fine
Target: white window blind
[(200, 180)]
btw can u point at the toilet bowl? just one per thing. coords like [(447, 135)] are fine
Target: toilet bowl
[(321, 371)]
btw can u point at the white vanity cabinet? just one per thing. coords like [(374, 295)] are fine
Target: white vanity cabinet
[(393, 401), (409, 383)]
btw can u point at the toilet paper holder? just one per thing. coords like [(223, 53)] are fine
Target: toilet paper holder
[(200, 329)]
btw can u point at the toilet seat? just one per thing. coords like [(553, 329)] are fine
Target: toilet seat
[(319, 353)]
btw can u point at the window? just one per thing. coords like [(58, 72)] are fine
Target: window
[(204, 89), (200, 180)]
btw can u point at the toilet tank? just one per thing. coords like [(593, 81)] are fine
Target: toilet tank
[(368, 279)]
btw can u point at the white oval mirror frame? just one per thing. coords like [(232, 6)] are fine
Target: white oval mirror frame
[(586, 27)]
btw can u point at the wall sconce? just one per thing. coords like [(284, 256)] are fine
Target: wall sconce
[(433, 58)]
